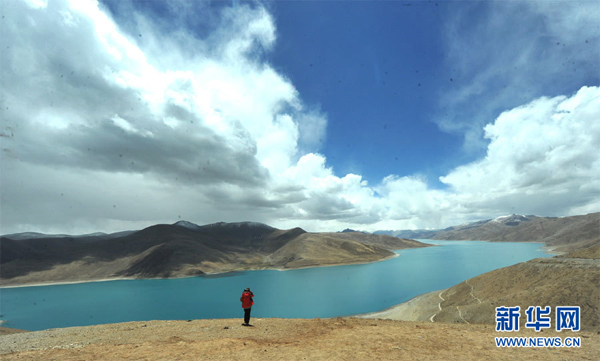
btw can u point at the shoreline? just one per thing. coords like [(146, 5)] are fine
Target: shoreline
[(552, 250), (59, 283), (332, 265), (385, 310), (396, 253), (419, 308)]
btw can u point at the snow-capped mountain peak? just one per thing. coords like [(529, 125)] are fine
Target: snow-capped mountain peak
[(511, 220), (186, 224)]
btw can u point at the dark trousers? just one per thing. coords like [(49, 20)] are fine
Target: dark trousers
[(247, 315)]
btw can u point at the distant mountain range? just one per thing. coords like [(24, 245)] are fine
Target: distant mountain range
[(563, 234), (91, 236), (182, 249), (187, 249)]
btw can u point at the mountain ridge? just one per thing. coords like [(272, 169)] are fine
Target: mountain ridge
[(183, 249), (558, 233)]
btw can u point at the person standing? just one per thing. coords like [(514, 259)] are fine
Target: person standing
[(247, 303)]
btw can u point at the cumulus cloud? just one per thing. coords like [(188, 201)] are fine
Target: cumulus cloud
[(82, 96), (541, 156), (105, 130)]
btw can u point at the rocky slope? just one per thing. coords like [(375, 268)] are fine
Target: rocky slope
[(183, 249)]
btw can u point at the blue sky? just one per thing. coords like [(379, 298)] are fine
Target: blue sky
[(320, 114), (371, 68)]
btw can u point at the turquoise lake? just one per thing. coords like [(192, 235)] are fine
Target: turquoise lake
[(304, 293)]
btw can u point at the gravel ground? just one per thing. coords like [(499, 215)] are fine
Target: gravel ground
[(283, 339)]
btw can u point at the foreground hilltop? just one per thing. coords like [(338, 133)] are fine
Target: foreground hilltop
[(283, 339), (183, 249)]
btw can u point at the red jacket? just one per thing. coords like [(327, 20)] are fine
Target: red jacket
[(246, 299)]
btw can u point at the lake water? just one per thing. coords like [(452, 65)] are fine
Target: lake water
[(304, 293)]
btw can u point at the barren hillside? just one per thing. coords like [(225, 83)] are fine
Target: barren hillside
[(183, 249), (283, 339)]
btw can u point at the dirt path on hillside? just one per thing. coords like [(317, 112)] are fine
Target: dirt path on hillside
[(545, 281), (282, 339)]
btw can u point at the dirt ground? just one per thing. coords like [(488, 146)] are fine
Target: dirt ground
[(284, 339)]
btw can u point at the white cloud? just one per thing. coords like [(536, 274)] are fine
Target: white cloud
[(86, 75), (104, 131), (82, 96), (542, 156)]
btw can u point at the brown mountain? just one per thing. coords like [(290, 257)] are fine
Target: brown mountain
[(376, 239), (182, 249), (564, 234)]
